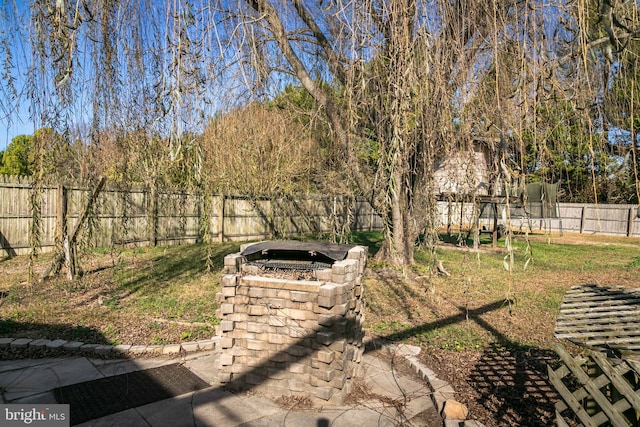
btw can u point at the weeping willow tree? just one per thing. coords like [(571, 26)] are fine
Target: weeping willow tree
[(395, 69), (580, 134), (127, 80), (415, 81), (120, 83), (397, 85), (618, 23)]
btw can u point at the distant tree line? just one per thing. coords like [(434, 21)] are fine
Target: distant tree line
[(278, 147)]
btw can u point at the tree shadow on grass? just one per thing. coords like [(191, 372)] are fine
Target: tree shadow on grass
[(170, 266)]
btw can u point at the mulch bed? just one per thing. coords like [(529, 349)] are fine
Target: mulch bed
[(501, 387)]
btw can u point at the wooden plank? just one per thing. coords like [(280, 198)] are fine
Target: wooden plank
[(595, 333), (599, 335), (588, 301), (605, 302), (591, 290), (560, 421), (633, 330), (221, 214), (597, 309), (603, 325), (602, 321), (629, 351), (614, 312), (608, 300), (613, 300), (580, 323), (614, 342), (594, 310)]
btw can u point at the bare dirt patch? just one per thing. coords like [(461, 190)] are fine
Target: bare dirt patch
[(500, 386)]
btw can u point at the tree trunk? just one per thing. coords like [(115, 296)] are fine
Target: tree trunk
[(395, 111), (398, 246), (282, 39)]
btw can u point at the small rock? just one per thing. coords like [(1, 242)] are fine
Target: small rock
[(454, 410)]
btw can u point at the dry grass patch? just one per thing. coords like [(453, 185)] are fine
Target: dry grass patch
[(140, 296)]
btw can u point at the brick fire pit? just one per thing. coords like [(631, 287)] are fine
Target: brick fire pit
[(291, 316)]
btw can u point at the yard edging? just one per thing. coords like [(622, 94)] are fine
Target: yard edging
[(27, 345)]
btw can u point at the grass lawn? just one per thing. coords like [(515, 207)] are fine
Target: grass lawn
[(159, 295), (138, 296), (482, 303), (486, 330)]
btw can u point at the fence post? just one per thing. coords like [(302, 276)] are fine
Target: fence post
[(152, 215), (62, 239), (371, 216), (61, 213), (583, 219), (221, 219), (630, 223)]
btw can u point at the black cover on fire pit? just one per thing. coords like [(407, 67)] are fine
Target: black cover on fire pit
[(334, 251)]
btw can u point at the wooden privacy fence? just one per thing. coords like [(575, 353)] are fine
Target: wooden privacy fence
[(583, 218), (143, 216), (621, 220), (170, 216)]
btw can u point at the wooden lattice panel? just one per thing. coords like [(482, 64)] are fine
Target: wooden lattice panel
[(596, 316), (596, 390)]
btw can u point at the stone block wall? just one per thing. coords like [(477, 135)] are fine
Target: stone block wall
[(282, 336)]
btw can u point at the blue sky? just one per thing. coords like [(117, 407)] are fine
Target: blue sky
[(14, 119), (223, 92), (20, 126), (15, 34)]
